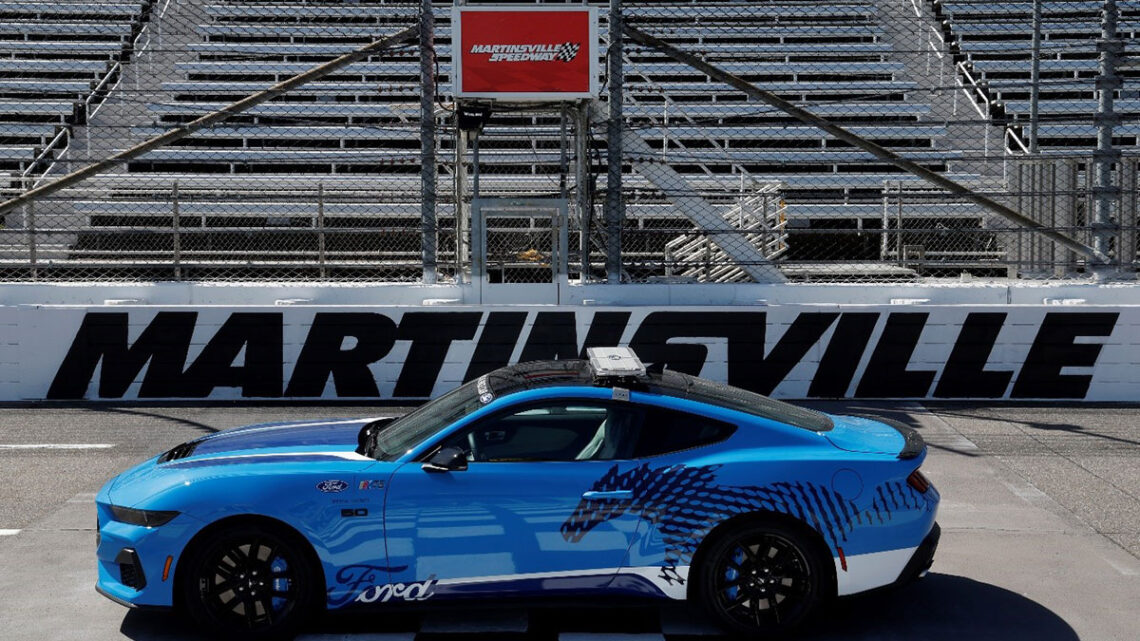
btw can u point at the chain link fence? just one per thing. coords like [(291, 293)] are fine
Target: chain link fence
[(1033, 105)]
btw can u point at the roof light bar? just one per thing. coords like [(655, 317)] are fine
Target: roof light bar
[(615, 362)]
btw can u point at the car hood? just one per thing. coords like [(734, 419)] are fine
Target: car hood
[(298, 436), (271, 443), (873, 436)]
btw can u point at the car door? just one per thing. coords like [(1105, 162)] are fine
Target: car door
[(509, 522)]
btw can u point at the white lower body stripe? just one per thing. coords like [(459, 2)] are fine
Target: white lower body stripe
[(870, 571)]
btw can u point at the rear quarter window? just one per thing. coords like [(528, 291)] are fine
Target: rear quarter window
[(665, 431)]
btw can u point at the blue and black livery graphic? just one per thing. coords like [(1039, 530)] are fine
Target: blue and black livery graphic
[(686, 503)]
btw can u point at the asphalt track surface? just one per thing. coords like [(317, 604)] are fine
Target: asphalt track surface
[(1040, 516)]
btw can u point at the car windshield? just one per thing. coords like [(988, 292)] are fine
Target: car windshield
[(410, 430)]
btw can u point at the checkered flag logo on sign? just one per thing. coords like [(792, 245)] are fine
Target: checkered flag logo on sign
[(567, 51)]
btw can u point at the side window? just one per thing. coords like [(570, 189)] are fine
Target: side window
[(665, 431), (563, 431)]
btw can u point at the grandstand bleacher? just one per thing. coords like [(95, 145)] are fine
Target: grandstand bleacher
[(348, 146), (991, 41), (58, 60)]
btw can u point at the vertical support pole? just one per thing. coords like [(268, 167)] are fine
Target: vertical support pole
[(1105, 156), (1067, 187), (429, 227), (1013, 270), (899, 227), (479, 249), (1035, 79), (1130, 211), (321, 247), (461, 206), (615, 207), (176, 224), (563, 151), (582, 193), (30, 227), (884, 239)]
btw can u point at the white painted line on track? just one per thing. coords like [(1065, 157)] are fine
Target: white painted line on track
[(9, 532), (56, 446)]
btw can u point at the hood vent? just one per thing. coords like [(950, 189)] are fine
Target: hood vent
[(179, 452)]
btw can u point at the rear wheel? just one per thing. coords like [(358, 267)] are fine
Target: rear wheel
[(760, 579), (249, 583)]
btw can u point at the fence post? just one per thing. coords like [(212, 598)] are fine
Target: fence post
[(176, 222), (429, 241), (30, 226), (615, 207), (321, 229), (1105, 155), (899, 227), (582, 180), (1035, 78), (1129, 209)]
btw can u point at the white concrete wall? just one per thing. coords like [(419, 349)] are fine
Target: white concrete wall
[(159, 342)]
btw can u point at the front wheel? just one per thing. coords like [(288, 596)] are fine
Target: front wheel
[(760, 579), (249, 583)]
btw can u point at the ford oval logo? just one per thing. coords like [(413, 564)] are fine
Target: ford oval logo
[(334, 485)]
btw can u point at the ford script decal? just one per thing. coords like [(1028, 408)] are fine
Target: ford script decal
[(333, 485)]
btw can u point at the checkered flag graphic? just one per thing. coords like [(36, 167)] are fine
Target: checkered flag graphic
[(567, 51)]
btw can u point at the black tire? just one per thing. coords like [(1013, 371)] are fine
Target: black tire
[(250, 583), (760, 579)]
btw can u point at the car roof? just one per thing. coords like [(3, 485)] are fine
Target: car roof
[(578, 373)]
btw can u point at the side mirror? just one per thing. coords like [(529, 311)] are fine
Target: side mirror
[(449, 459)]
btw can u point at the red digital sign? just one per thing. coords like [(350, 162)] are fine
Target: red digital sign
[(532, 53)]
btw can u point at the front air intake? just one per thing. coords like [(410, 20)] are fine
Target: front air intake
[(130, 569)]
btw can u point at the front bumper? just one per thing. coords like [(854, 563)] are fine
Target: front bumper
[(132, 560)]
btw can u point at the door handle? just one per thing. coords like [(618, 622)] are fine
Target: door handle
[(593, 495)]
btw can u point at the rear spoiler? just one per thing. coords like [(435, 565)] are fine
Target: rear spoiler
[(913, 445)]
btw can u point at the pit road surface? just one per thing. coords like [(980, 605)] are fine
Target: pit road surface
[(1040, 515)]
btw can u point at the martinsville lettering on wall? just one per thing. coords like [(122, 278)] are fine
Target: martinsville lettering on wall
[(850, 357)]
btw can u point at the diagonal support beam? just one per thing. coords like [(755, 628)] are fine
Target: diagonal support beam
[(875, 150), (210, 119), (685, 201)]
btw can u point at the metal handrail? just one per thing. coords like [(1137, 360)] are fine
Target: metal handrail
[(1012, 137), (974, 90)]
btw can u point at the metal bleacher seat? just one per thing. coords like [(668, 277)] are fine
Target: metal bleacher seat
[(54, 10), (54, 67), (743, 112), (822, 158), (305, 12), (43, 110), (91, 30), (337, 110), (98, 49)]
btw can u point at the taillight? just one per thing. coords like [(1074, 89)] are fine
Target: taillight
[(919, 482)]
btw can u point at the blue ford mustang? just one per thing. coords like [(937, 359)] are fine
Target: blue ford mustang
[(545, 479)]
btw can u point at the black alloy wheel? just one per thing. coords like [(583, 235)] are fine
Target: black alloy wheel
[(249, 583), (760, 579)]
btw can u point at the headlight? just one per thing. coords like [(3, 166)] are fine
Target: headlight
[(146, 518)]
